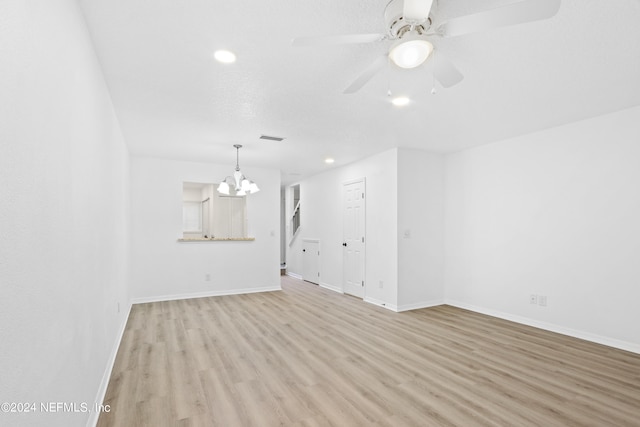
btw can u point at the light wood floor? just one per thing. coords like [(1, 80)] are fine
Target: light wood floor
[(311, 357)]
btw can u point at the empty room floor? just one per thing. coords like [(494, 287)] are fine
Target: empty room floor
[(306, 356)]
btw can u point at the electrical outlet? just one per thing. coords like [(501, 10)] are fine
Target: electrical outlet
[(380, 284), (542, 300), (118, 306), (533, 299), (207, 277)]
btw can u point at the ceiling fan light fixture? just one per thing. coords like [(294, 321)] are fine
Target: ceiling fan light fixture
[(410, 51)]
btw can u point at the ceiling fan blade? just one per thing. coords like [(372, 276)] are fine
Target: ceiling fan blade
[(333, 40), (416, 11), (516, 13), (364, 78), (444, 71)]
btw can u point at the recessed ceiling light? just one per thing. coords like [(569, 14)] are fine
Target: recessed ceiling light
[(225, 56), (329, 160), (400, 101)]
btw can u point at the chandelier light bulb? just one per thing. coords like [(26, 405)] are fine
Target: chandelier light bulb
[(223, 188)]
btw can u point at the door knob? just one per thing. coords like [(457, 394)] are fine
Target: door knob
[(304, 250)]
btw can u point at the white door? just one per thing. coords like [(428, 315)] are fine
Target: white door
[(353, 237), (311, 261)]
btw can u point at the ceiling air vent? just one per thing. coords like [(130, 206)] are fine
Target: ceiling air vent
[(271, 138)]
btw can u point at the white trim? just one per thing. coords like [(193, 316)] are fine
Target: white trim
[(598, 339), (104, 383), (419, 305), (160, 298), (331, 287), (294, 275), (354, 180), (381, 303)]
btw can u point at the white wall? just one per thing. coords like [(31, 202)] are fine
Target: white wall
[(193, 195), (404, 193), (420, 229), (163, 268), (63, 216), (554, 213), (321, 213)]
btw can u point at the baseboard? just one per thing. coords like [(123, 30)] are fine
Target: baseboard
[(331, 287), (160, 298), (104, 383), (380, 303), (294, 275), (598, 339), (419, 305)]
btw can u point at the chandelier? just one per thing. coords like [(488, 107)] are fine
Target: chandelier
[(242, 185)]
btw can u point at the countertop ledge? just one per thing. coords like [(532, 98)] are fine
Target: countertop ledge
[(218, 239)]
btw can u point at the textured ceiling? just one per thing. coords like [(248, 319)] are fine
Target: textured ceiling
[(175, 100)]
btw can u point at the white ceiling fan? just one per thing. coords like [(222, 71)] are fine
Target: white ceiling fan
[(410, 28)]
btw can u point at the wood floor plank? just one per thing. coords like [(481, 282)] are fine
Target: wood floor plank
[(306, 356)]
